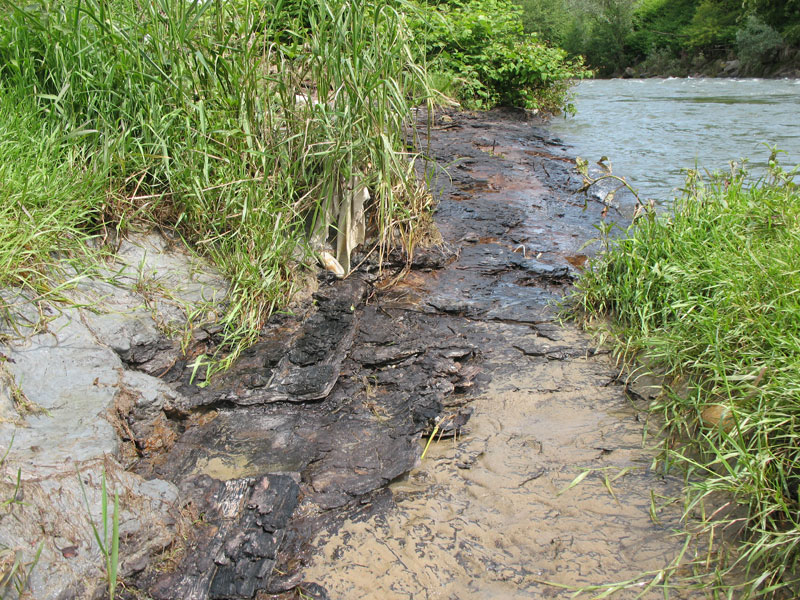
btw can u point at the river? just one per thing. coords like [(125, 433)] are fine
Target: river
[(654, 129)]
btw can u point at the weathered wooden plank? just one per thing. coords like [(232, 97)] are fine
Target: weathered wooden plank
[(235, 554)]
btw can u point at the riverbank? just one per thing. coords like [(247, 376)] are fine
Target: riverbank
[(706, 296), (310, 426), (235, 127), (785, 65), (247, 129)]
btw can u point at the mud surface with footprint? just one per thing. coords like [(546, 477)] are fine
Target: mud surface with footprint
[(303, 460)]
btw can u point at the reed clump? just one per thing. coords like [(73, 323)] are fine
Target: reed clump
[(707, 294), (235, 123)]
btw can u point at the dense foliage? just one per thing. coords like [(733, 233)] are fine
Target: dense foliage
[(482, 44), (667, 36), (236, 123), (707, 295)]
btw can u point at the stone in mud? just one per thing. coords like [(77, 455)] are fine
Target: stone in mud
[(313, 382), (436, 256), (166, 273), (52, 518), (310, 366), (142, 405), (718, 416), (364, 433), (494, 259), (491, 282), (321, 335), (550, 331), (538, 347), (70, 365), (384, 356), (133, 336), (72, 380)]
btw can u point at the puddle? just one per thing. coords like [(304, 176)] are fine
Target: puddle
[(224, 468), (490, 515)]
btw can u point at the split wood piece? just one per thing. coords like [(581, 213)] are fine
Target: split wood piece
[(233, 557)]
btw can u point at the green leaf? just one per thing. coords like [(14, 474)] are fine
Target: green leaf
[(581, 476)]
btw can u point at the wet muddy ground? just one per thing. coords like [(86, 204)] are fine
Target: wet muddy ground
[(301, 465), (491, 515)]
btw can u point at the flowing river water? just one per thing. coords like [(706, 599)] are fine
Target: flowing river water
[(652, 130)]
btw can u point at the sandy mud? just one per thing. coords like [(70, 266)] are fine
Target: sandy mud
[(491, 514)]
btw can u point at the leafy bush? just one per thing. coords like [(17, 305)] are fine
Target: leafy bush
[(782, 16), (599, 32), (661, 61), (482, 43), (548, 19), (614, 34), (714, 24), (660, 24), (756, 42)]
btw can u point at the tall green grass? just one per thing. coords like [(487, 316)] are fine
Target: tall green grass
[(48, 201), (234, 122), (709, 294)]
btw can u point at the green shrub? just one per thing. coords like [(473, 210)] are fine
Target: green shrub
[(714, 24), (482, 43), (783, 16), (548, 19), (756, 43), (660, 24), (599, 32), (662, 62)]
